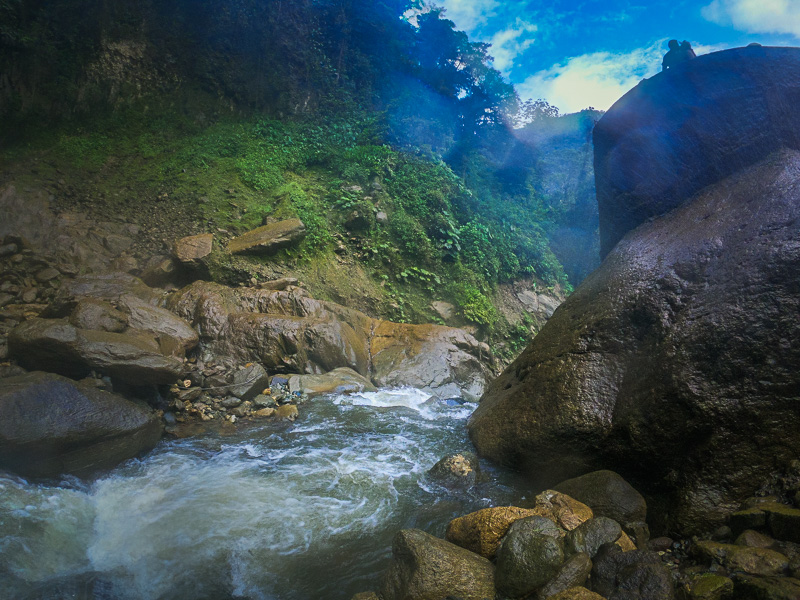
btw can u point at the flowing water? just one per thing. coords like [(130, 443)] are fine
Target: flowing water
[(287, 511)]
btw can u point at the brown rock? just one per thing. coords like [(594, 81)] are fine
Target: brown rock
[(189, 250), (577, 593), (568, 512), (57, 346), (158, 321), (278, 284), (339, 381), (91, 313), (755, 561), (264, 413), (269, 238), (427, 568), (481, 532), (754, 539)]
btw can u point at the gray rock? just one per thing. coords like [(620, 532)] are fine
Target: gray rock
[(50, 425), (630, 575), (47, 274), (264, 401), (608, 495), (573, 573), (8, 250), (590, 535), (427, 568), (231, 402), (56, 345), (91, 313), (249, 382), (529, 556)]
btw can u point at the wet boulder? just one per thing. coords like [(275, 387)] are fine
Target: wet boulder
[(427, 568), (529, 556), (635, 575), (57, 346), (339, 381), (590, 535), (50, 425), (91, 313), (482, 531), (445, 361), (143, 316), (659, 367), (608, 495), (459, 470), (249, 382)]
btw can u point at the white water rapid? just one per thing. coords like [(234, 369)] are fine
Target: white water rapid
[(277, 511)]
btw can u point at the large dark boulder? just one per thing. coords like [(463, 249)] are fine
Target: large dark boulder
[(675, 363), (51, 425), (689, 127)]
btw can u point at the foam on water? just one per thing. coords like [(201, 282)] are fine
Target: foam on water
[(277, 511)]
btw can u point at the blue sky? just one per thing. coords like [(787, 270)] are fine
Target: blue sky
[(580, 53)]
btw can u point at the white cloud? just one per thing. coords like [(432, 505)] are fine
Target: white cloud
[(756, 16), (509, 43), (598, 79), (469, 15)]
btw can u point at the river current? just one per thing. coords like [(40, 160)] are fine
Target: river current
[(276, 511)]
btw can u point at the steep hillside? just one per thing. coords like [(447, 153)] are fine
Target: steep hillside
[(392, 141)]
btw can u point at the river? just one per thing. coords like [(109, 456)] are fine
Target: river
[(276, 511)]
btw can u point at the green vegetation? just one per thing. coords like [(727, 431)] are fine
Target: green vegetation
[(393, 141)]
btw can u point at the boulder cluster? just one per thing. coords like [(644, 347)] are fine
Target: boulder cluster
[(594, 544)]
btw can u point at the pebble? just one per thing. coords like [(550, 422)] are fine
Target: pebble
[(8, 249)]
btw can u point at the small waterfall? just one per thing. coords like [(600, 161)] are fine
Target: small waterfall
[(276, 511)]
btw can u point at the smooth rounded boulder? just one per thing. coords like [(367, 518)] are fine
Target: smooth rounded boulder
[(51, 425), (428, 568)]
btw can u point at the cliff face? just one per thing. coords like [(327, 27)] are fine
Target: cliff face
[(672, 363), (687, 128)]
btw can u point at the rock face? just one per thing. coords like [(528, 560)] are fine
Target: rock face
[(287, 331), (269, 238), (51, 425), (689, 127), (675, 362)]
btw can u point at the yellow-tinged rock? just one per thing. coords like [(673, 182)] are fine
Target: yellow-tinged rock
[(576, 593), (625, 543), (568, 512), (481, 531), (287, 411)]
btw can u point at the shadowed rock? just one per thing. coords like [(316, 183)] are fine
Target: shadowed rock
[(675, 362), (51, 425), (684, 129)]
